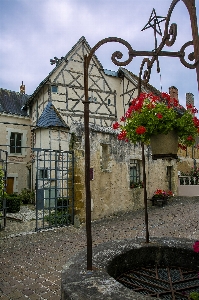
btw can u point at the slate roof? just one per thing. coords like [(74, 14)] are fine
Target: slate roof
[(110, 73), (50, 117), (13, 102)]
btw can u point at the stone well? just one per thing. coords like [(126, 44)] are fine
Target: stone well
[(112, 259)]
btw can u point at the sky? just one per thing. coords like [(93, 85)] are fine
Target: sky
[(34, 31)]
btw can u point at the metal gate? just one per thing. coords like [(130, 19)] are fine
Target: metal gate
[(54, 186), (3, 179)]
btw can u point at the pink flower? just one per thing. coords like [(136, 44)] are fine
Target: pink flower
[(196, 247)]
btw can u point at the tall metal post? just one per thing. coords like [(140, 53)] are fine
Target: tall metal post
[(87, 166), (145, 194)]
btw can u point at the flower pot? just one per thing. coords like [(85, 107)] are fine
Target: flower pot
[(164, 145)]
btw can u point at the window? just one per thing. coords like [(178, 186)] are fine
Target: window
[(92, 99), (16, 143), (54, 89), (43, 173), (104, 156), (16, 140), (135, 173)]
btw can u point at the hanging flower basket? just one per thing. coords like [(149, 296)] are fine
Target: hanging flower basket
[(164, 145), (151, 118)]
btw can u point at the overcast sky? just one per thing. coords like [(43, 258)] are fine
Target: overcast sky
[(34, 31)]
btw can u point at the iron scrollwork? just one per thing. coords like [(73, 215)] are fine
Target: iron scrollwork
[(168, 39)]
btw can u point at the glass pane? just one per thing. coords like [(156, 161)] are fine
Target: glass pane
[(54, 89), (18, 142), (15, 142), (12, 143)]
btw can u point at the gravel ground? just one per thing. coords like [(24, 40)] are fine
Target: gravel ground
[(31, 263)]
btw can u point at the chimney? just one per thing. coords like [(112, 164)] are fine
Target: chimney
[(22, 88), (189, 99), (173, 91)]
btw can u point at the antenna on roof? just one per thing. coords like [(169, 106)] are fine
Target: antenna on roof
[(22, 88), (56, 60)]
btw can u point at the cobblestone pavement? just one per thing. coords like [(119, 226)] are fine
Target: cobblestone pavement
[(31, 263)]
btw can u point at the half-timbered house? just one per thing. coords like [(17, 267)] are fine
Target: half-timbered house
[(55, 137)]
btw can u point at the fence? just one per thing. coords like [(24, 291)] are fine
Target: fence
[(188, 186)]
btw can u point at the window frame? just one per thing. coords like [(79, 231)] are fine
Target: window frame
[(54, 87), (23, 141), (43, 173), (136, 165), (16, 138)]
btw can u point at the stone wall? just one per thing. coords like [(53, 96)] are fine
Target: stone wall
[(110, 163)]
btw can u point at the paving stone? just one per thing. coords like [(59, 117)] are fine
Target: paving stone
[(3, 297), (31, 263), (15, 295)]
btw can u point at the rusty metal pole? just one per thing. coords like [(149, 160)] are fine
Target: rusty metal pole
[(87, 166), (145, 195), (194, 26)]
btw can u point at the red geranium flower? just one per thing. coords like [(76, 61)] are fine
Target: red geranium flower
[(122, 119), (196, 121), (116, 125), (122, 136), (140, 130), (196, 246), (160, 116), (190, 138), (182, 147)]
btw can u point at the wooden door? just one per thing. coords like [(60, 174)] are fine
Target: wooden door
[(10, 185)]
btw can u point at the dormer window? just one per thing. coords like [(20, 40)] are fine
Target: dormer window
[(54, 88)]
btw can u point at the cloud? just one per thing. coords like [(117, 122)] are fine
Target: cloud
[(33, 32)]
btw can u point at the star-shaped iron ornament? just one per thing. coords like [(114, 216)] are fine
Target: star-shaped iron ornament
[(154, 22)]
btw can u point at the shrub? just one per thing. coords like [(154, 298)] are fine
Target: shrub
[(27, 196), (13, 203), (58, 218)]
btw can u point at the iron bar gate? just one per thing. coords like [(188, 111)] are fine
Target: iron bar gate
[(53, 172), (3, 180)]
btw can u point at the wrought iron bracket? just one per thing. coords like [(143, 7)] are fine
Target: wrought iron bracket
[(169, 38)]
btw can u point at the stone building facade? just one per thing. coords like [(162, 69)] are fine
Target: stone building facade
[(54, 120), (15, 137)]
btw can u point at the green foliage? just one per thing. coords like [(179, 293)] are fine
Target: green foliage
[(150, 115), (2, 183), (61, 215), (192, 177), (27, 196), (136, 184), (13, 203), (194, 295), (58, 218), (186, 129)]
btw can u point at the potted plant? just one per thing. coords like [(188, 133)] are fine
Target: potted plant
[(161, 196), (150, 117)]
